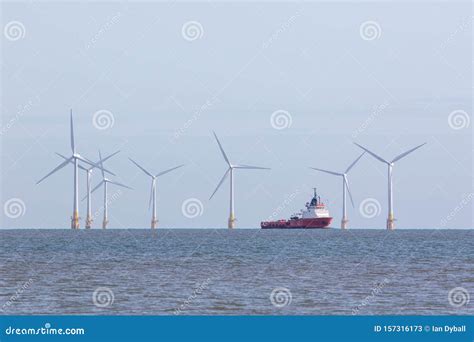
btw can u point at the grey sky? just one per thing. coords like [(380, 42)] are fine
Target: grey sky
[(167, 93)]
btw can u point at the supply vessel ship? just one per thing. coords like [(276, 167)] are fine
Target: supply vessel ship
[(316, 216)]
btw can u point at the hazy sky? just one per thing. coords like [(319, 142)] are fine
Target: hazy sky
[(386, 75)]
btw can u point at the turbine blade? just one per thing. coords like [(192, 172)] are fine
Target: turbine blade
[(103, 160), (110, 156), (66, 158), (406, 153), (95, 165), (222, 150), (57, 168), (349, 191), (140, 167), (220, 183), (97, 186), (327, 171), (169, 170), (101, 165), (73, 147), (354, 162), (242, 166), (120, 184), (373, 154)]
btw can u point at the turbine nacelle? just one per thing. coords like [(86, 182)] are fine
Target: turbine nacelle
[(230, 170), (390, 219), (153, 177), (344, 177)]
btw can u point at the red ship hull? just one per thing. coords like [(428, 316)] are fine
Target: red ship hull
[(308, 223)]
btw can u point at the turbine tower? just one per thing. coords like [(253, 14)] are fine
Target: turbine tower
[(154, 220), (230, 170), (88, 171), (105, 181), (74, 159), (345, 186), (390, 164)]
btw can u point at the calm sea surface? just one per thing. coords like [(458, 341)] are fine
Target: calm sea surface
[(208, 272)]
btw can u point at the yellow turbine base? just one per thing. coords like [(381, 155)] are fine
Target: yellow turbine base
[(231, 222), (154, 223), (391, 223), (75, 220)]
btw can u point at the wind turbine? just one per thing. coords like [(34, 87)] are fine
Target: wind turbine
[(74, 159), (88, 171), (390, 164), (105, 181), (230, 170), (345, 185), (154, 220)]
